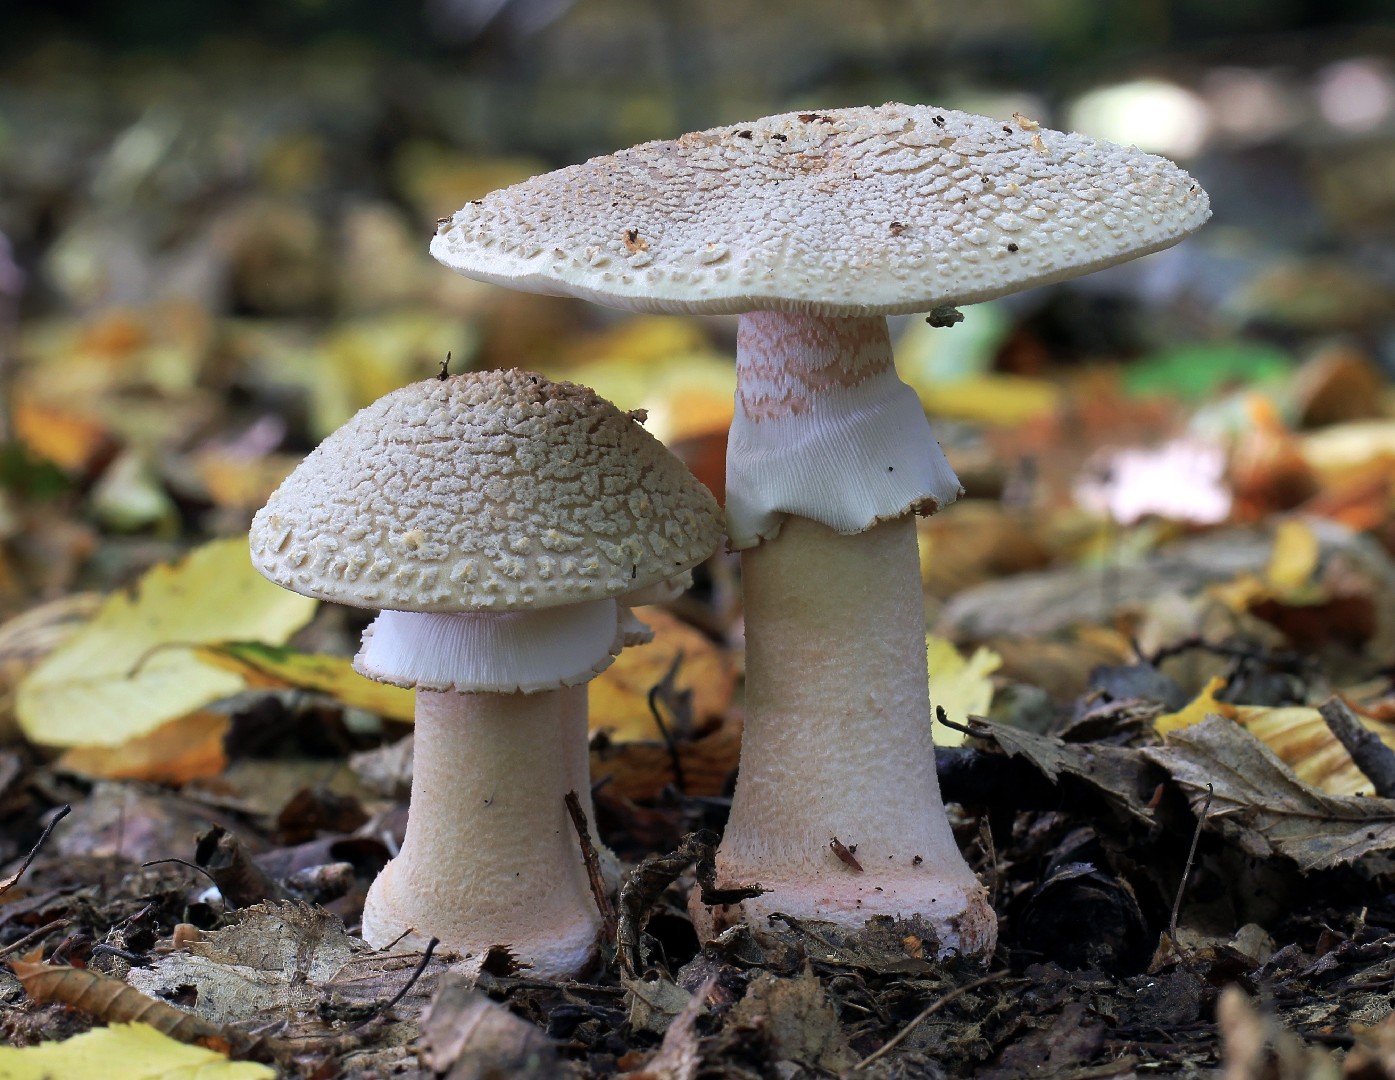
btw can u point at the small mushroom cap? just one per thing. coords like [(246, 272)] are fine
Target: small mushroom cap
[(861, 211), (489, 491)]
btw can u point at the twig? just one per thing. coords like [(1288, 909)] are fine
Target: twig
[(201, 870), (1372, 756), (1290, 661), (593, 867), (1186, 873), (411, 982), (929, 1011), (13, 880), (679, 781), (33, 936)]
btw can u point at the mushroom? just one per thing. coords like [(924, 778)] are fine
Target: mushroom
[(494, 518), (813, 227)]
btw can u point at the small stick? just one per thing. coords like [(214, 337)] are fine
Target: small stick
[(200, 869), (411, 982), (925, 1014), (679, 780), (1186, 873), (593, 867), (13, 880), (1372, 756), (33, 936)]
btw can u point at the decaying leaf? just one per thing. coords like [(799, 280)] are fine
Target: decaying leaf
[(113, 1001), (131, 668), (186, 748), (1256, 1045), (1120, 774), (619, 698), (679, 1055), (276, 959), (276, 666), (124, 1052), (1258, 803), (798, 1018), (469, 1037)]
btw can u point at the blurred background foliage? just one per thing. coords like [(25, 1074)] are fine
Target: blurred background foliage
[(213, 225)]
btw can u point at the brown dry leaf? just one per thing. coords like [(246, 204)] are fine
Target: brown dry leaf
[(1120, 774), (1258, 803), (619, 698), (469, 1037), (640, 770), (1256, 1046), (241, 482), (981, 541), (187, 748), (277, 959), (679, 1055), (798, 1018), (113, 1001), (72, 440)]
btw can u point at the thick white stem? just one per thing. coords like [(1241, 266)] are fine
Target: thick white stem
[(837, 742), (490, 856)]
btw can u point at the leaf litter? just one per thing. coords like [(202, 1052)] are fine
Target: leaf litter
[(1189, 870)]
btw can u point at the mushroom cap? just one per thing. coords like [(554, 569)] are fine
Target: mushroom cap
[(488, 491), (861, 211)]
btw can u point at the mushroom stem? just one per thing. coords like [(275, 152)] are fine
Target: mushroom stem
[(824, 429), (489, 859), (837, 743)]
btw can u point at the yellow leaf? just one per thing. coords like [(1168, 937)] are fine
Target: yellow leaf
[(685, 394), (131, 668), (1294, 557), (1303, 741), (270, 665), (1197, 709), (961, 687), (124, 1052), (187, 748), (992, 399), (619, 697)]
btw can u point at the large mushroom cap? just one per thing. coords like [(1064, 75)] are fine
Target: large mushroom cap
[(489, 491), (863, 211)]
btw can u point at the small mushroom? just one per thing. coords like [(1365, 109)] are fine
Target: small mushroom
[(494, 518), (868, 212)]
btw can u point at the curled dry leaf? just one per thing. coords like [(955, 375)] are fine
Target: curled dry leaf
[(1259, 804), (114, 1002)]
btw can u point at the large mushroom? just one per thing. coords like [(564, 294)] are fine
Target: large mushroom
[(814, 226), (494, 518)]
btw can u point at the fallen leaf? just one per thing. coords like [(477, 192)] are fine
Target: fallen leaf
[(124, 1052), (1303, 741), (131, 668), (111, 1000), (798, 1018), (619, 697), (469, 1037), (960, 686), (1196, 710), (1121, 774), (183, 749), (1005, 400), (1258, 803), (275, 666)]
